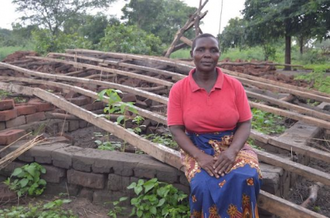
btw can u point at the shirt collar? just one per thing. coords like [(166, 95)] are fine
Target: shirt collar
[(194, 87)]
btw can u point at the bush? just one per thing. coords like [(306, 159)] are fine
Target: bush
[(130, 39), (45, 42)]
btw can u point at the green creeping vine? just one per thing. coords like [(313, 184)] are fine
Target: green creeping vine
[(52, 209), (27, 180), (158, 200)]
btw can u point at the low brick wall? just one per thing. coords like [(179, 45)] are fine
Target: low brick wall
[(94, 174)]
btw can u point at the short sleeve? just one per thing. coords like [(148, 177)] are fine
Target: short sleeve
[(174, 107), (242, 103)]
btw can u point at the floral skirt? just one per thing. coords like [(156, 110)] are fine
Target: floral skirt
[(233, 195)]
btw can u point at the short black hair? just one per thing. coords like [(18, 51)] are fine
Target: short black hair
[(204, 35)]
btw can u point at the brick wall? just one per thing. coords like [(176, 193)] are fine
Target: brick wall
[(98, 175)]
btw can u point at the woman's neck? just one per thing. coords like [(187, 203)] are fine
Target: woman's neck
[(206, 80)]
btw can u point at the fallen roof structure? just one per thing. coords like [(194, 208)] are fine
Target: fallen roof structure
[(87, 72)]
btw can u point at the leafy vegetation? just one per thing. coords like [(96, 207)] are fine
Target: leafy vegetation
[(165, 139), (267, 123), (26, 180), (117, 209), (320, 81), (158, 200), (52, 209), (130, 39)]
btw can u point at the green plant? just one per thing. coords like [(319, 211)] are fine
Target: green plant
[(164, 139), (52, 209), (107, 145), (3, 94), (138, 120), (267, 123), (115, 104), (117, 210), (318, 78), (27, 180), (251, 142), (158, 200)]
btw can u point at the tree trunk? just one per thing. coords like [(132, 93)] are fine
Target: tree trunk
[(301, 45), (287, 52)]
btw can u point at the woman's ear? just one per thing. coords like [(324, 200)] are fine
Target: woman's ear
[(191, 53)]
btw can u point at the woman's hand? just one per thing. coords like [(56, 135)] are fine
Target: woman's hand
[(206, 162), (224, 162)]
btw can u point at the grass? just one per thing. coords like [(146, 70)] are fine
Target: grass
[(5, 51)]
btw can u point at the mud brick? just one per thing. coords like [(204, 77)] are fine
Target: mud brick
[(9, 136), (73, 125), (118, 183), (16, 122), (25, 109), (82, 124), (89, 180), (141, 104), (53, 174), (2, 125), (94, 106), (8, 115), (129, 97), (81, 100), (35, 117), (6, 105)]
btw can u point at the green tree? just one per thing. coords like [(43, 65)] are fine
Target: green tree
[(271, 19), (163, 18), (44, 41), (130, 39), (233, 34), (51, 14), (91, 26)]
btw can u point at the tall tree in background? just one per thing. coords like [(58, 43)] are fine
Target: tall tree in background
[(232, 35), (163, 18), (271, 19), (51, 14)]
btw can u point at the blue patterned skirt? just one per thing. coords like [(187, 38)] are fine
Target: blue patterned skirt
[(233, 195)]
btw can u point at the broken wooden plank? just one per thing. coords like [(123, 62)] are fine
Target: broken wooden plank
[(289, 106), (175, 76), (144, 113), (109, 70), (300, 149), (124, 88), (292, 115), (305, 171), (284, 208)]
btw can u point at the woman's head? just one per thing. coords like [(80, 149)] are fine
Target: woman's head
[(205, 52)]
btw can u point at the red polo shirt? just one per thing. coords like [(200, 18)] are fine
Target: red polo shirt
[(202, 112)]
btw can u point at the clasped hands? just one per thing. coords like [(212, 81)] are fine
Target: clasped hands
[(217, 165)]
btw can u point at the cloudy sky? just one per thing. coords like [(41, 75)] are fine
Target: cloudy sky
[(231, 9)]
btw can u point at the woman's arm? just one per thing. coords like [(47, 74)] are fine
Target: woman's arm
[(225, 161), (204, 160)]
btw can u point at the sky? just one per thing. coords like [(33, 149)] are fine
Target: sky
[(231, 9)]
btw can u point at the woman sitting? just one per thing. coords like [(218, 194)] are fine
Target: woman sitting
[(210, 118)]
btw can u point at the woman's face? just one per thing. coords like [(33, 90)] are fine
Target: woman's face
[(206, 54)]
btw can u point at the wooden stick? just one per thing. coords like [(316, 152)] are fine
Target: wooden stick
[(313, 189), (292, 115), (124, 88), (305, 171), (119, 72), (7, 146), (175, 76), (145, 113), (284, 208), (289, 106), (220, 64)]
